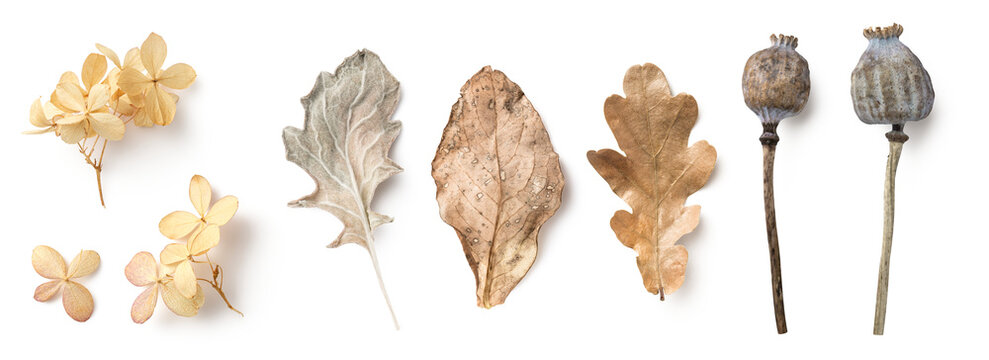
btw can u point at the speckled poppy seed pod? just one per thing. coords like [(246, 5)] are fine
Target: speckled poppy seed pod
[(776, 84), (889, 84)]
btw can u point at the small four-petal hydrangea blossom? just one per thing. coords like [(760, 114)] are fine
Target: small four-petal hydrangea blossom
[(48, 263)]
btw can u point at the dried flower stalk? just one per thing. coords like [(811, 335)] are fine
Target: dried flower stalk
[(889, 86), (776, 85), (94, 111)]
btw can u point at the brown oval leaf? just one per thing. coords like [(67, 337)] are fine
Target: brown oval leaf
[(497, 181), (656, 174)]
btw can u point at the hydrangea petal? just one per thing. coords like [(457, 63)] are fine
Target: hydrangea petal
[(107, 125), (180, 305), (48, 263), (185, 279), (70, 97), (69, 77), (133, 60), (200, 194), (37, 117), (83, 264), (205, 240), (73, 132), (98, 97), (142, 119), (142, 270), (77, 300), (109, 54), (173, 254), (133, 82), (178, 224), (144, 305), (178, 76), (45, 291), (93, 70), (166, 107), (224, 209), (153, 53)]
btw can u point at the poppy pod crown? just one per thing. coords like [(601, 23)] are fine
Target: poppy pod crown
[(890, 84)]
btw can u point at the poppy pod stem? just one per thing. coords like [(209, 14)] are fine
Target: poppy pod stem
[(896, 139), (769, 140)]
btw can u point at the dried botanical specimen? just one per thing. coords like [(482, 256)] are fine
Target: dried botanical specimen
[(94, 111), (497, 181), (776, 84), (176, 276), (48, 263), (656, 174), (144, 271), (344, 145), (889, 86)]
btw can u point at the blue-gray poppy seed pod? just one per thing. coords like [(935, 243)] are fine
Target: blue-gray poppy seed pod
[(889, 84)]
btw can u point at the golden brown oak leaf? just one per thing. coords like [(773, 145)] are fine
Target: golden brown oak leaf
[(497, 181), (656, 174)]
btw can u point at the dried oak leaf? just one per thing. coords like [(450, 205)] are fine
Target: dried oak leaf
[(344, 146), (656, 174), (497, 181)]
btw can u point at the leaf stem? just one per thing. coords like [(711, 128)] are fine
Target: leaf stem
[(768, 157), (381, 282), (896, 139)]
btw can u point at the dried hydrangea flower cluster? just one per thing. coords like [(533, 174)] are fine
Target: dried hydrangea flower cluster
[(94, 109), (175, 276), (76, 299)]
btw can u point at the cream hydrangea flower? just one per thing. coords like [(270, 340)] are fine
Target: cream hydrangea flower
[(86, 114), (119, 101), (144, 271), (178, 258), (96, 109), (180, 224), (202, 230), (76, 299), (82, 106), (157, 104), (43, 117)]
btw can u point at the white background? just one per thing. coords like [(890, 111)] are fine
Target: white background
[(583, 297)]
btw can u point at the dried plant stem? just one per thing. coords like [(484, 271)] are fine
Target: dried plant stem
[(768, 157), (896, 139), (217, 282), (95, 162), (381, 282)]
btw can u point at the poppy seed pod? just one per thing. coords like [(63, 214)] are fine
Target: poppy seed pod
[(776, 83), (889, 84)]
